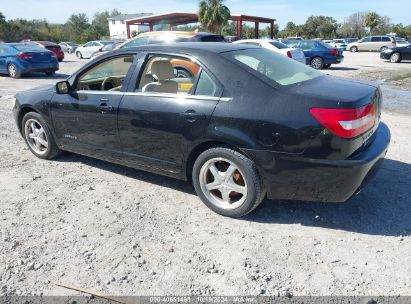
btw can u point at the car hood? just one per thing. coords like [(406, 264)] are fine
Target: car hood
[(47, 87)]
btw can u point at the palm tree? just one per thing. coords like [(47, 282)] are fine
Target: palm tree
[(213, 14), (372, 19)]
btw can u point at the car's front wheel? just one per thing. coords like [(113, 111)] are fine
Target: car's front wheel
[(69, 51), (79, 55), (13, 72), (38, 136), (353, 49), (227, 182), (395, 57), (317, 63)]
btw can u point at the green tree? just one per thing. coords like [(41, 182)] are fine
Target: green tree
[(320, 27), (372, 19), (100, 24), (76, 25), (353, 26), (2, 18), (213, 14), (290, 30)]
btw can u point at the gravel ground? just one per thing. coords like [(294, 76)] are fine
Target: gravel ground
[(119, 231)]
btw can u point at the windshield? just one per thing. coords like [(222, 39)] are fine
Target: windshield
[(105, 42), (339, 41), (71, 44), (275, 66), (29, 48), (279, 45)]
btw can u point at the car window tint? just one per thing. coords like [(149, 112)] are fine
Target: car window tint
[(375, 39), (274, 66), (29, 48), (176, 75), (212, 38), (205, 85), (366, 39), (137, 42), (4, 49), (386, 39), (112, 71)]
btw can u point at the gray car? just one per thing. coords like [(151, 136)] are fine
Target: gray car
[(91, 47), (68, 47), (372, 43)]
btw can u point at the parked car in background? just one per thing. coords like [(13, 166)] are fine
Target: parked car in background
[(68, 47), (397, 54), (87, 50), (276, 46), (372, 43), (17, 59), (339, 44), (327, 40), (51, 46), (320, 55), (231, 39), (107, 48), (171, 36), (401, 41), (251, 124)]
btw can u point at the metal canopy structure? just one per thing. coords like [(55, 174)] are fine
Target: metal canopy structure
[(178, 18)]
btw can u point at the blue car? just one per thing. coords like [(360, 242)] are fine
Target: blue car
[(320, 55), (17, 59)]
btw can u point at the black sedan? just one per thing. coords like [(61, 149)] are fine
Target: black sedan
[(397, 54), (248, 124)]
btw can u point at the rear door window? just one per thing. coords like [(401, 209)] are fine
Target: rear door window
[(375, 39), (205, 85), (366, 39), (386, 39)]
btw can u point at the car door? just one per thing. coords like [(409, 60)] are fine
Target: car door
[(364, 44), (91, 49), (375, 44), (85, 119), (157, 125), (406, 52), (4, 53), (308, 49)]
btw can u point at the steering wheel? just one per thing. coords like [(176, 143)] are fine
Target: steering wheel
[(115, 82)]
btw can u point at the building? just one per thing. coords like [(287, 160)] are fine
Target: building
[(180, 18), (118, 26)]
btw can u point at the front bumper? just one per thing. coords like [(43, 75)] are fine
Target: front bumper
[(385, 55), (299, 178)]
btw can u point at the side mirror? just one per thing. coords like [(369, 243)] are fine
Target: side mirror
[(63, 87)]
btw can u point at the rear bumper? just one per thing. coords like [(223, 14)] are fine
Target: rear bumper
[(299, 178)]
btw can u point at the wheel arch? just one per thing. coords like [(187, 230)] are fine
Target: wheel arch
[(23, 111), (200, 148)]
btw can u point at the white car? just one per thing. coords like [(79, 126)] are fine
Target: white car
[(276, 46), (91, 47)]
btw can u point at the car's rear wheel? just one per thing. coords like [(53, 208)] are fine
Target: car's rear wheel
[(13, 72), (227, 182), (79, 55), (69, 51), (395, 57), (353, 49), (383, 48), (317, 63), (38, 136)]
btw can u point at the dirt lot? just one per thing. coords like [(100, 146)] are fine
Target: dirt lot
[(120, 231)]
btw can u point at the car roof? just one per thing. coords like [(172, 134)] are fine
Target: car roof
[(44, 42), (189, 47)]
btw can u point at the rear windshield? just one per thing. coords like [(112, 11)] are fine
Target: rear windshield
[(105, 42), (274, 66), (279, 45), (325, 44), (28, 48), (213, 38)]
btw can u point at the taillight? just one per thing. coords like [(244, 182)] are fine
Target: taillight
[(334, 52), (289, 54), (23, 56), (346, 123)]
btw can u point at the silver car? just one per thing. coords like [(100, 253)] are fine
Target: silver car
[(68, 47), (372, 43), (91, 47)]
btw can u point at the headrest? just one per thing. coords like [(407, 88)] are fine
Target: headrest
[(162, 70)]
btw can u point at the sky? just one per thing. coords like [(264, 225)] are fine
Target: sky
[(58, 11)]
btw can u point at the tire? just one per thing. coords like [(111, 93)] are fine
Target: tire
[(33, 125), (79, 55), (60, 59), (317, 63), (12, 71), (50, 73), (69, 51), (353, 49), (327, 66), (395, 57), (243, 177), (383, 48)]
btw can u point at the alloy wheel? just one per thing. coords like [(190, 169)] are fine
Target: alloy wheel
[(317, 63), (36, 136), (12, 70), (395, 57), (223, 183)]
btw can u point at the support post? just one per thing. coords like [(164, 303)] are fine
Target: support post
[(128, 30), (239, 27), (256, 28), (272, 30)]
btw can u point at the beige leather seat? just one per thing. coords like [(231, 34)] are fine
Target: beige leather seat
[(163, 71)]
